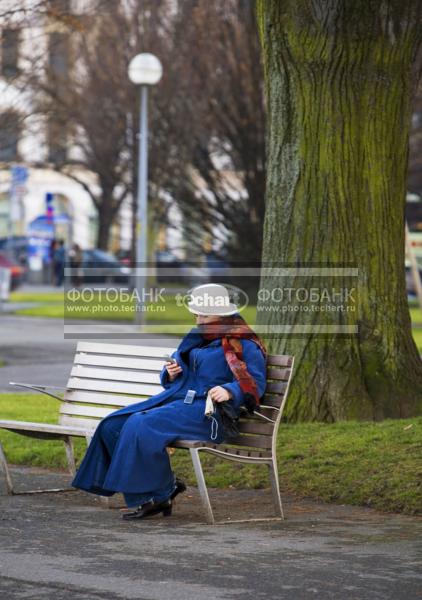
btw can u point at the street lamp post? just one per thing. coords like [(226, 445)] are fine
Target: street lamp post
[(144, 70)]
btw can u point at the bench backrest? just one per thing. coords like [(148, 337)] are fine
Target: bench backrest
[(105, 377)]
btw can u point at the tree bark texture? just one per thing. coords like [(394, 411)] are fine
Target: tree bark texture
[(339, 81)]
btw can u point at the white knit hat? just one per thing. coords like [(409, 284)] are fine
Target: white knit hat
[(211, 299)]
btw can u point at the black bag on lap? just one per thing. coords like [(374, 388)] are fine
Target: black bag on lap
[(229, 419)]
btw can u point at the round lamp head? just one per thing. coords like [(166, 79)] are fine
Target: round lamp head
[(145, 69)]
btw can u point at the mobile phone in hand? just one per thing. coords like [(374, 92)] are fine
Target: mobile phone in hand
[(170, 359)]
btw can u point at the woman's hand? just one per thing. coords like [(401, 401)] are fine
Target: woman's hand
[(219, 394), (173, 370)]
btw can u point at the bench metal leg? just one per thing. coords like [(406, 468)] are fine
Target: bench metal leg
[(275, 488), (202, 486), (70, 455), (9, 481), (5, 467)]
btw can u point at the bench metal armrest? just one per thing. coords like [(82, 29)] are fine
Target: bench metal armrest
[(261, 416), (40, 388), (244, 413)]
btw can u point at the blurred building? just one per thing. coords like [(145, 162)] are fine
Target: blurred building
[(31, 143)]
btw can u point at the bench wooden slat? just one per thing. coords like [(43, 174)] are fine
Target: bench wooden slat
[(77, 383), (48, 428), (89, 424), (279, 374), (84, 410), (98, 360), (241, 452), (255, 427), (273, 387), (125, 349), (115, 375), (256, 441), (270, 400), (100, 398), (244, 452), (280, 360)]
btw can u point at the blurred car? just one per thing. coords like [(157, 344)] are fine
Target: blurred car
[(125, 257), (101, 267), (17, 272), (209, 268), (16, 249), (168, 267)]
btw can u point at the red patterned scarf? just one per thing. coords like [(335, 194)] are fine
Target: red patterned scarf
[(232, 329)]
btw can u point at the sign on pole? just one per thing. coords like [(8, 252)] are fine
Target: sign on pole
[(19, 176)]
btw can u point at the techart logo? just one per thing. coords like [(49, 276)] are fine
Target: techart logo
[(209, 300)]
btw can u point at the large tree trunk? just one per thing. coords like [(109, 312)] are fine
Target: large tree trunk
[(339, 81)]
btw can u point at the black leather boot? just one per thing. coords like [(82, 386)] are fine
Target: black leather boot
[(149, 509), (180, 487)]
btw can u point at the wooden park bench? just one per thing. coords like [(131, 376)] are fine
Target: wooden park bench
[(105, 377)]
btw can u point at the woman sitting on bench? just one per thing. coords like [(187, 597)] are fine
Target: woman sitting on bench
[(221, 357)]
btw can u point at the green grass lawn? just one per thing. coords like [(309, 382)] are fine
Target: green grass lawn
[(417, 336), (50, 297), (416, 315), (360, 463)]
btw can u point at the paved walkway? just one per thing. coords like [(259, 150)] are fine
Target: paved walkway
[(69, 546)]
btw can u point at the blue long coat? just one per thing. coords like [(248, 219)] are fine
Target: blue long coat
[(128, 450)]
